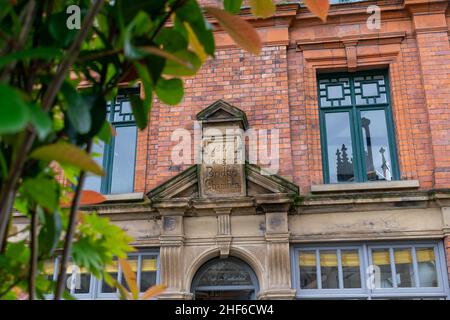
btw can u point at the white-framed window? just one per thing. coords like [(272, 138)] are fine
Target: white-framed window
[(85, 286), (370, 270)]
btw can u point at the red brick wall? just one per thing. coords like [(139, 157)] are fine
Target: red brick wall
[(278, 90), (256, 84)]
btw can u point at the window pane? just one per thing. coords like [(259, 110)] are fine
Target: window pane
[(148, 272), (370, 90), (93, 182), (404, 268), (49, 269), (133, 261), (376, 145), (340, 153), (112, 269), (122, 180), (426, 263), (78, 279), (335, 92), (351, 268), (308, 271), (381, 259), (329, 269)]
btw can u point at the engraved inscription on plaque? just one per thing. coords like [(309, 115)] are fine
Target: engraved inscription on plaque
[(222, 169), (222, 179)]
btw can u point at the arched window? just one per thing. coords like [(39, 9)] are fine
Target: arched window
[(224, 279)]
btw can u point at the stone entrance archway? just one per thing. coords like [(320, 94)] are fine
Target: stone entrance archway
[(225, 279)]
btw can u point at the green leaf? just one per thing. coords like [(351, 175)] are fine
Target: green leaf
[(42, 190), (65, 153), (137, 27), (98, 115), (58, 29), (240, 30), (262, 8), (14, 111), (98, 242), (106, 132), (195, 45), (171, 40), (87, 252), (170, 91), (232, 6), (191, 13), (139, 113), (141, 108), (78, 110), (33, 53), (177, 69), (50, 233), (164, 54), (71, 173), (129, 9), (40, 120)]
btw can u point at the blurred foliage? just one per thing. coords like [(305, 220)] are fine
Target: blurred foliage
[(54, 86)]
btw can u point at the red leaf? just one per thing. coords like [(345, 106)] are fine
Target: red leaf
[(319, 8), (241, 31), (88, 197)]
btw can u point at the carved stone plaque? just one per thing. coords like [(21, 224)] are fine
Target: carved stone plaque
[(222, 179), (222, 170)]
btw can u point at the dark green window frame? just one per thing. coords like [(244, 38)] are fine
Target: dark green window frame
[(118, 118), (350, 105)]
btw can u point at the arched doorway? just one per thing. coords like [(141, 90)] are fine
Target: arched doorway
[(225, 279)]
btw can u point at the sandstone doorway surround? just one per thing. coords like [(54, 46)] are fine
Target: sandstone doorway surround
[(240, 215)]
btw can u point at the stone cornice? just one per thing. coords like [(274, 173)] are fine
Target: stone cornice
[(359, 39)]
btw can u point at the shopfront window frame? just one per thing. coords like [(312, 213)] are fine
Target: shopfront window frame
[(440, 292)]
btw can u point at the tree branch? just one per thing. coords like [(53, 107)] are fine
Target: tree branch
[(10, 187), (70, 232), (34, 256)]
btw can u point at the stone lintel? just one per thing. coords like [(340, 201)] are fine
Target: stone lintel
[(365, 186), (277, 294), (176, 295)]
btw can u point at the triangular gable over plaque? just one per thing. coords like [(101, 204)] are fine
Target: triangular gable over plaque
[(222, 182), (185, 185), (221, 111)]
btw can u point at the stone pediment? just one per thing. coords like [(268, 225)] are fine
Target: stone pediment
[(221, 111), (185, 187), (222, 179)]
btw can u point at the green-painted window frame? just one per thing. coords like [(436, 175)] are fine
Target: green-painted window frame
[(354, 110), (108, 152)]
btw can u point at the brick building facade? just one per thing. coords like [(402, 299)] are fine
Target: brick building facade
[(298, 234)]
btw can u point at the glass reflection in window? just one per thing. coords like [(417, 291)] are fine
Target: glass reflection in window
[(376, 145), (340, 152), (308, 270)]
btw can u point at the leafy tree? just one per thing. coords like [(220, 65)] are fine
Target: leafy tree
[(49, 118)]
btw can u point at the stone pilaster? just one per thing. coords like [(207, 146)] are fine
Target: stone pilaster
[(171, 253), (277, 256)]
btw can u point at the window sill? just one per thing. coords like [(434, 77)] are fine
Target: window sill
[(365, 186), (124, 197)]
